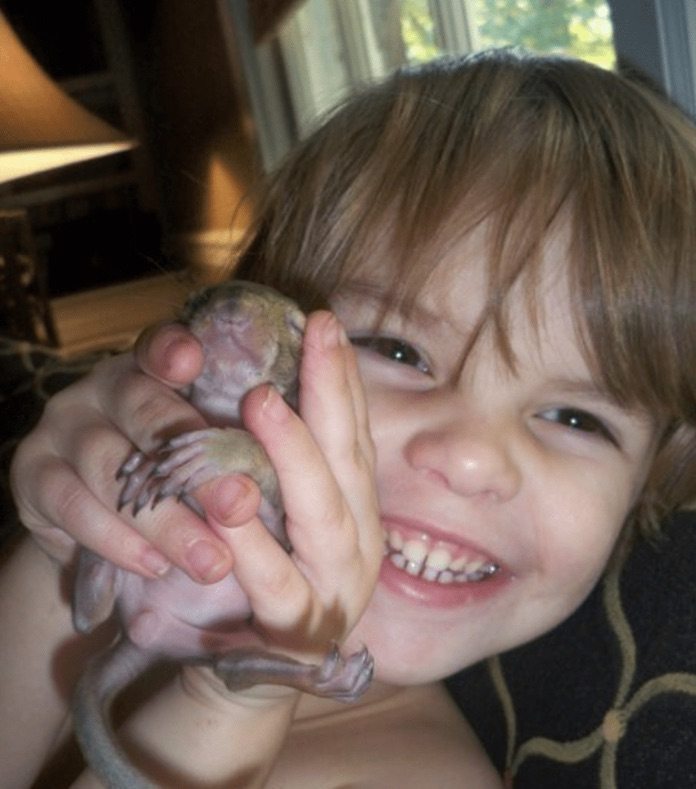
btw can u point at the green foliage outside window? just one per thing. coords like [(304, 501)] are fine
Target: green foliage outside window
[(575, 27), (418, 31)]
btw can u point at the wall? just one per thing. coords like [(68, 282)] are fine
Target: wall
[(199, 129)]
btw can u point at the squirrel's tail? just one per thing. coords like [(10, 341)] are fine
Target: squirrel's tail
[(105, 676)]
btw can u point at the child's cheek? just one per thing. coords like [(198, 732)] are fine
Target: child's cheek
[(575, 546)]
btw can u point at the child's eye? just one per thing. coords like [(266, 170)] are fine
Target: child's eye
[(395, 350), (577, 419)]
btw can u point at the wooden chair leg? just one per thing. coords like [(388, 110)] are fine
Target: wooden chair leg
[(25, 310)]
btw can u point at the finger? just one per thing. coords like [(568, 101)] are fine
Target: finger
[(60, 497), (56, 496), (328, 435), (141, 408), (334, 407), (326, 396), (359, 400), (339, 565), (366, 509), (314, 507), (285, 607), (171, 528), (170, 353), (229, 502), (262, 567)]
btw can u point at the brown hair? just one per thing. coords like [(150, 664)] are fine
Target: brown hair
[(523, 142)]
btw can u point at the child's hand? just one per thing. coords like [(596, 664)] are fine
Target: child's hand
[(64, 472), (64, 481), (324, 459)]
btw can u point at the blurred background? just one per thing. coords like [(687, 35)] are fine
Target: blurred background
[(213, 92)]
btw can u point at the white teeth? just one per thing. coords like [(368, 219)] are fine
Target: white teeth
[(459, 564), (396, 541), (439, 559), (415, 551), (436, 565)]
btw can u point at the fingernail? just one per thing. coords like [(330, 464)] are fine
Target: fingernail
[(274, 407), (203, 558), (226, 497), (170, 357), (341, 334), (332, 331), (154, 562)]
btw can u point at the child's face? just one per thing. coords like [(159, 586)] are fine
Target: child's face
[(531, 472)]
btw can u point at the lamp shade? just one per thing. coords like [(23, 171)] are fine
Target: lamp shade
[(41, 127)]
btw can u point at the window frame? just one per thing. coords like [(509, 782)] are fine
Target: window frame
[(655, 37), (658, 37)]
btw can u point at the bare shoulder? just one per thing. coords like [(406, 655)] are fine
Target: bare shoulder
[(413, 739)]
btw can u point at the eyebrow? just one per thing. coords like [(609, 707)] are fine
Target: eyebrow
[(596, 391), (581, 386), (373, 292)]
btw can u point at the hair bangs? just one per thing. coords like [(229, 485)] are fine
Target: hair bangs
[(395, 179)]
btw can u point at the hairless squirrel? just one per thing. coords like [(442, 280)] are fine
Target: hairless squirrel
[(250, 335)]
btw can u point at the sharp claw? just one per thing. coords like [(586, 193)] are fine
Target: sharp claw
[(131, 463), (128, 493), (141, 501), (168, 486), (174, 469)]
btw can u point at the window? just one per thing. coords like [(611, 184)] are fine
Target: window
[(331, 47), (327, 49), (659, 38)]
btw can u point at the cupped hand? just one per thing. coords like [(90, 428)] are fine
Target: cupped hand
[(64, 480), (63, 474), (324, 459)]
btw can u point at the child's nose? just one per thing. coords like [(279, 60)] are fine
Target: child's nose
[(473, 461)]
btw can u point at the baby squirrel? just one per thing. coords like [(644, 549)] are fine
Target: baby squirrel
[(251, 335)]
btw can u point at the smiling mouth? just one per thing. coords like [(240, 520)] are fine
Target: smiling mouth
[(436, 563)]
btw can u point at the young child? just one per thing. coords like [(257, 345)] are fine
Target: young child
[(508, 242)]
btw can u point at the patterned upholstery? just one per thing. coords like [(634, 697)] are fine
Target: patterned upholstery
[(607, 699)]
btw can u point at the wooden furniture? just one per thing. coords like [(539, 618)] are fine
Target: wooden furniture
[(25, 311)]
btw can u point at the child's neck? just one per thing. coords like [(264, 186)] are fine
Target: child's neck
[(379, 695)]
